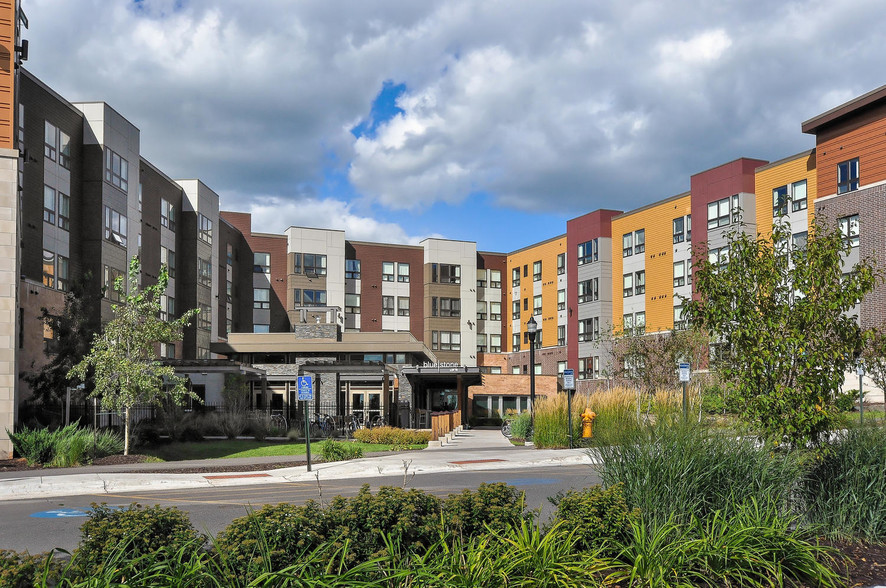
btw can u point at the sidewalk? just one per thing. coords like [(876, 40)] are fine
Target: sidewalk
[(468, 450)]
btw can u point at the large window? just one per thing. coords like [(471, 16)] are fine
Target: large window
[(167, 258), (261, 263), (679, 274), (495, 278), (64, 149), (798, 196), (387, 271), (204, 317), (62, 276), (780, 201), (387, 305), (352, 269), (561, 299), (561, 335), (445, 307), (352, 303), (536, 271), (589, 290), (110, 278), (48, 268), (115, 226), (315, 264), (723, 212), (204, 272), (628, 285), (314, 297), (847, 176), (50, 141), (515, 342), (561, 263), (679, 319), (679, 230), (495, 311), (403, 272), (640, 282), (589, 329), (481, 310), (402, 306), (515, 309), (536, 305), (515, 277), (495, 343), (481, 343), (204, 229), (446, 340), (718, 257), (588, 252), (627, 244), (445, 273), (261, 298), (48, 205), (167, 214), (849, 228), (640, 241), (116, 170), (64, 211)]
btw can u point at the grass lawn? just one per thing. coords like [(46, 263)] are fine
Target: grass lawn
[(227, 448)]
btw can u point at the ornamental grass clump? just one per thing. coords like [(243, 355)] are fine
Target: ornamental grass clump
[(64, 447)]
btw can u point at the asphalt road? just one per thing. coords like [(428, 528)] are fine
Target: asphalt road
[(43, 524)]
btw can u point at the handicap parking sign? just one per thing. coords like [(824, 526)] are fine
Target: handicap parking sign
[(305, 388)]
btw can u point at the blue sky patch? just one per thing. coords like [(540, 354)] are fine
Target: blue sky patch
[(384, 108)]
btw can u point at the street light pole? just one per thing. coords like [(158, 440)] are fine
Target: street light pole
[(532, 327)]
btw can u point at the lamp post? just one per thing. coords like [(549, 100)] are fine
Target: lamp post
[(860, 371), (531, 328)]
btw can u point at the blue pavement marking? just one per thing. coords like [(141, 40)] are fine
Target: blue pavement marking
[(526, 481), (60, 513)]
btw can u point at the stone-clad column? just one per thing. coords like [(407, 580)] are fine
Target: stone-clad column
[(9, 282)]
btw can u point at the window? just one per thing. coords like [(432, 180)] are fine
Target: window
[(586, 329), (387, 271), (167, 214), (116, 170), (481, 278), (481, 310), (204, 317), (640, 282), (444, 273), (688, 227), (798, 240), (204, 272), (115, 227), (261, 298), (50, 141), (352, 269), (48, 269), (536, 305), (62, 276), (798, 196), (719, 257), (515, 310), (204, 229), (495, 278), (537, 369), (679, 274), (847, 176), (495, 343), (387, 304), (315, 265), (640, 323), (229, 290), (296, 298), (627, 244), (849, 229), (48, 205), (445, 307), (628, 323), (779, 201), (64, 149), (515, 370), (588, 252), (515, 343), (64, 211), (167, 350), (495, 311), (525, 304), (140, 191), (561, 264), (536, 271), (589, 290), (260, 328), (640, 241), (515, 277), (204, 353), (229, 253), (561, 335), (167, 258), (167, 307), (403, 272), (723, 212), (261, 263), (525, 270), (314, 298), (679, 319), (450, 341), (628, 285), (110, 279), (402, 306), (679, 235), (585, 368), (352, 303), (561, 299), (481, 343)]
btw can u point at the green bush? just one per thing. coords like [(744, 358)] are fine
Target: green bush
[(845, 491), (340, 450), (521, 426), (22, 570), (392, 436), (131, 532), (599, 517), (496, 505), (64, 447)]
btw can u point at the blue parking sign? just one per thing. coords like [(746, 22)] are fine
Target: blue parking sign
[(305, 388)]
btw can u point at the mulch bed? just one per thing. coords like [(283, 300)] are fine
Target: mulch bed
[(867, 561)]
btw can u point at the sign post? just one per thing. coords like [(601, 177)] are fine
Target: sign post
[(305, 386), (684, 377), (569, 386)]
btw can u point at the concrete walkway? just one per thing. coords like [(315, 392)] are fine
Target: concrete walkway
[(467, 450)]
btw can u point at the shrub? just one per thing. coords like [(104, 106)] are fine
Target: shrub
[(340, 450), (496, 505), (22, 570), (521, 426), (392, 436), (260, 426), (37, 446), (550, 422), (64, 447), (111, 533), (598, 516), (845, 491)]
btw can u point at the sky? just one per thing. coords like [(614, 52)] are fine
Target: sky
[(484, 120)]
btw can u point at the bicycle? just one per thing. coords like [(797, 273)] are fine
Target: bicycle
[(351, 425), (506, 428), (278, 421), (377, 421), (322, 425)]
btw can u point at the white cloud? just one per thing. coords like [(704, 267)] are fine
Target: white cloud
[(682, 58)]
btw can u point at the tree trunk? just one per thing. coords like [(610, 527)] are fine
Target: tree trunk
[(126, 431)]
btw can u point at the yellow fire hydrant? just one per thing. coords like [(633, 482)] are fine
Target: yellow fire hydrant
[(587, 423)]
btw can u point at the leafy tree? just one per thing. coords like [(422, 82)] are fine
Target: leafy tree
[(74, 330), (784, 326), (123, 357), (648, 361)]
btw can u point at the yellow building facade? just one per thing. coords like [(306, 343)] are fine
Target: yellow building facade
[(536, 277), (786, 190)]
